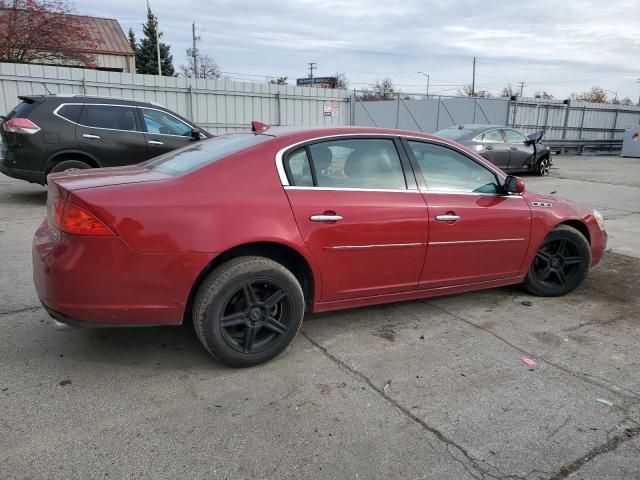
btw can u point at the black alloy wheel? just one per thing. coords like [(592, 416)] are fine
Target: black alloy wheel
[(248, 310), (544, 166), (560, 264)]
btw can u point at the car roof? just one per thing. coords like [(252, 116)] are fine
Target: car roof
[(80, 98), (304, 133)]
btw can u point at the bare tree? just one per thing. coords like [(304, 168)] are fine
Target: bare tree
[(341, 81), (507, 91), (279, 81), (544, 95), (44, 31), (594, 95), (626, 101), (384, 89), (466, 90), (207, 68)]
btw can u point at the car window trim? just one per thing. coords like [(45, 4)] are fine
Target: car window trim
[(144, 126), (500, 130), (55, 112), (412, 186)]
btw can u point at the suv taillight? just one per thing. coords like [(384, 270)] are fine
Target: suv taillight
[(75, 220), (21, 125)]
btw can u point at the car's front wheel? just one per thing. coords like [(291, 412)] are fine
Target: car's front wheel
[(248, 310), (561, 263), (544, 166)]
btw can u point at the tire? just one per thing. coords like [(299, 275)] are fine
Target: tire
[(544, 166), (69, 166), (248, 310), (561, 263)]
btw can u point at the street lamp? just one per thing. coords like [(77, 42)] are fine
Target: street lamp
[(611, 91), (426, 75)]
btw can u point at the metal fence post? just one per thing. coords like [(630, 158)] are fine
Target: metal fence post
[(397, 110), (475, 106), (584, 111), (566, 119), (278, 109), (84, 85), (191, 113), (615, 123), (438, 114)]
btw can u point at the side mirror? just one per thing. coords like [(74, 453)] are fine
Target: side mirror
[(514, 185), (195, 134)]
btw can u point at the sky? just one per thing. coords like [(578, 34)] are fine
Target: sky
[(561, 46)]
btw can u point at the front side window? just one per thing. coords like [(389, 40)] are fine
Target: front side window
[(162, 123), (445, 170), (514, 137), (204, 152), (109, 116), (492, 136)]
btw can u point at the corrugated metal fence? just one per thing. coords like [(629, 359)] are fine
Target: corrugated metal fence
[(566, 124), (217, 105)]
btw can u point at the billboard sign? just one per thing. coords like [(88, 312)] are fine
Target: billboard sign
[(317, 82)]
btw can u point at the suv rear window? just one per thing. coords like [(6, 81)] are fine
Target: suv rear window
[(204, 152), (22, 110)]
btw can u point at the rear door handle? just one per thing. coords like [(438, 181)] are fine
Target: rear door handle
[(155, 142), (447, 218), (325, 218), (89, 135)]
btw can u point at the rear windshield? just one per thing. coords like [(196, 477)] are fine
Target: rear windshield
[(22, 109), (204, 152), (454, 133)]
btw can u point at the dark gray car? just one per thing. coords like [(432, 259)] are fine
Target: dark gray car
[(503, 146)]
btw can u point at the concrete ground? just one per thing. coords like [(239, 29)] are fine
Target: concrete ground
[(417, 390)]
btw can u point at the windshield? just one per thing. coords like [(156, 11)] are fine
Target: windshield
[(454, 133), (204, 152)]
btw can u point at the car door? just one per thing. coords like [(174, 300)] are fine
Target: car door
[(476, 234), (111, 134), (495, 148), (522, 153), (359, 213), (163, 132)]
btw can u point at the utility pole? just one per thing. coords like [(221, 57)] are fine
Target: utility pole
[(522, 85), (312, 67), (193, 51), (473, 80)]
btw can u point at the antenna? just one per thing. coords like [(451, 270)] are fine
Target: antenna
[(47, 90)]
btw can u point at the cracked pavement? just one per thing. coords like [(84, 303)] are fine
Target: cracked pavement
[(418, 390)]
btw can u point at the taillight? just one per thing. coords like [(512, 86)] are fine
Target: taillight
[(21, 125), (75, 220)]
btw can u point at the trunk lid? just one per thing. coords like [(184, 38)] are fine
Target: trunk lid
[(102, 177)]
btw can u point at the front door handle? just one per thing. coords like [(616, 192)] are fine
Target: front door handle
[(447, 218), (489, 147), (325, 218), (155, 142), (89, 135), (514, 148)]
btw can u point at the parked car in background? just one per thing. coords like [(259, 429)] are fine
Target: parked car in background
[(245, 232), (503, 146), (53, 133)]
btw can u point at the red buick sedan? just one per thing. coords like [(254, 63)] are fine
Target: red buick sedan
[(245, 232)]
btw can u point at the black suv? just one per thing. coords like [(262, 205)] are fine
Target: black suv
[(53, 133)]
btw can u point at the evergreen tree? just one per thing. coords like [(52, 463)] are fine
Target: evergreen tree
[(132, 40), (147, 54)]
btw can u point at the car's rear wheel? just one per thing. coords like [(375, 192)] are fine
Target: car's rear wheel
[(69, 166), (248, 310), (544, 166), (561, 263)]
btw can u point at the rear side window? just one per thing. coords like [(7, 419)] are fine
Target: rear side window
[(354, 163), (492, 136), (109, 116), (70, 112), (204, 152)]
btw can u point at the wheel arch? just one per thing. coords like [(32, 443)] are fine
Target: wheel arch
[(70, 155), (284, 254), (578, 225)]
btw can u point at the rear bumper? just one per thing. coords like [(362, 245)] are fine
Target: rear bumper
[(28, 175), (99, 281)]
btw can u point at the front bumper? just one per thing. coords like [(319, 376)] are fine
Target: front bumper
[(599, 240), (100, 281)]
